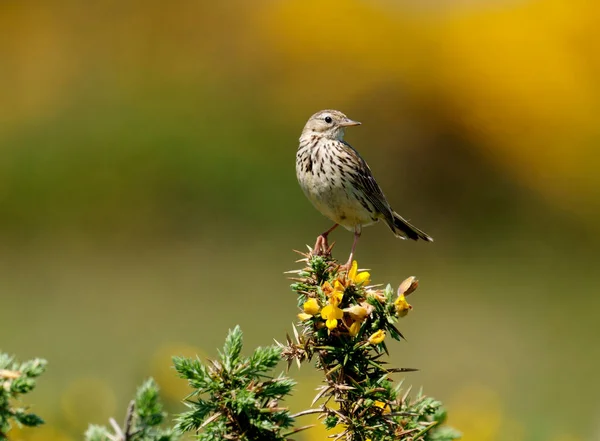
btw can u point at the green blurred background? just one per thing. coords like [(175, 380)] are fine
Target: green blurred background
[(148, 198)]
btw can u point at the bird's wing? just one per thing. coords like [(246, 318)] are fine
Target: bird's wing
[(365, 181)]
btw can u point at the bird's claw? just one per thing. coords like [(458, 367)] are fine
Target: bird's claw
[(322, 247)]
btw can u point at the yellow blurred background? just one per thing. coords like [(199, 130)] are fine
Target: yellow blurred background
[(148, 199)]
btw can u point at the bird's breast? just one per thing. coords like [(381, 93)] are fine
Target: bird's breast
[(326, 184)]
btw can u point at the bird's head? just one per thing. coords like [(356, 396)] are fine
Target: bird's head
[(328, 124)]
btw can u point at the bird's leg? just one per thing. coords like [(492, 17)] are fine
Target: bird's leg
[(321, 245), (357, 232)]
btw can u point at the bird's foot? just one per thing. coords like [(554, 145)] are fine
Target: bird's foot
[(346, 267), (322, 247), (317, 248)]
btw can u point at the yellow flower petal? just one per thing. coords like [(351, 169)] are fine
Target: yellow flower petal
[(331, 324), (377, 337), (402, 306), (311, 306), (358, 278), (332, 312), (353, 270), (354, 328), (335, 293), (361, 278), (336, 297), (338, 286), (303, 316), (327, 288), (382, 405), (338, 313)]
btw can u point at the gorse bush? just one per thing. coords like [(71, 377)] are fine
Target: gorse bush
[(17, 379), (345, 325), (142, 422), (233, 397), (345, 322)]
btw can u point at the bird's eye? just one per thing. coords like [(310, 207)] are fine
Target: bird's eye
[(328, 119)]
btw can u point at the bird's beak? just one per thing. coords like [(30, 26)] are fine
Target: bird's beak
[(348, 122)]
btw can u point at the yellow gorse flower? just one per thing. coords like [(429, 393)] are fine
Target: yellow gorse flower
[(331, 313), (377, 337), (354, 328), (386, 407), (402, 306), (334, 292), (311, 306), (358, 278)]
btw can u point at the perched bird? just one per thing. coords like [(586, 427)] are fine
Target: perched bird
[(339, 183)]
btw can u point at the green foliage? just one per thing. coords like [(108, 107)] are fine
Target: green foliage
[(233, 397), (17, 379), (343, 326), (144, 417)]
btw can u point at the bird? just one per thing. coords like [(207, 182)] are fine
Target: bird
[(340, 184)]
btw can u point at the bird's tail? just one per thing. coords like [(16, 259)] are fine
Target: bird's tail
[(402, 228)]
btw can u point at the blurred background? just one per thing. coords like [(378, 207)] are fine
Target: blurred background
[(148, 198)]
